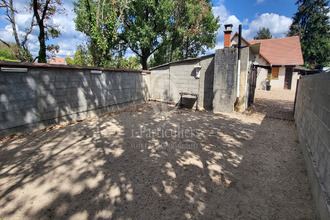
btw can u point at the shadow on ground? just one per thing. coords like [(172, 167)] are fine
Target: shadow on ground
[(146, 164)]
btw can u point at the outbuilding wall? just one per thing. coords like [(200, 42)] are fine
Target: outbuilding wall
[(168, 81)]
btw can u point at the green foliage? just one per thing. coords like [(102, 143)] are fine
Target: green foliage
[(193, 29), (263, 33), (100, 20), (54, 33), (69, 61), (311, 23), (146, 24), (6, 53), (197, 28), (53, 48), (127, 63), (20, 48), (43, 10), (6, 59), (172, 29), (80, 57)]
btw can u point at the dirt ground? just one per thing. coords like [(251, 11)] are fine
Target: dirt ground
[(145, 163)]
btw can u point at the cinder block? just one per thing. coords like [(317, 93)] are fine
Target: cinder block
[(61, 77), (13, 119), (74, 78), (47, 78), (13, 78), (73, 84), (2, 78)]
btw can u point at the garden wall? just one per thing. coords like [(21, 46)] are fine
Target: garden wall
[(49, 94), (312, 116)]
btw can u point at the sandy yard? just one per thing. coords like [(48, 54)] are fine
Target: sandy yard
[(142, 164)]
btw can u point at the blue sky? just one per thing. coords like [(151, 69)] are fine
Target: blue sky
[(250, 8), (253, 14)]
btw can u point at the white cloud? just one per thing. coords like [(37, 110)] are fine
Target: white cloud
[(220, 11), (225, 18), (68, 40), (64, 53), (23, 19), (278, 25), (33, 46), (260, 1), (6, 35)]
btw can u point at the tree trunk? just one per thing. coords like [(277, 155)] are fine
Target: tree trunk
[(144, 58), (13, 24), (42, 50), (144, 61), (40, 22), (187, 48)]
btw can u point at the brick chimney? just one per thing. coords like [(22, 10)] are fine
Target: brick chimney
[(228, 30)]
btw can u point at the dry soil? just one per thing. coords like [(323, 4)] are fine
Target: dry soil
[(145, 163)]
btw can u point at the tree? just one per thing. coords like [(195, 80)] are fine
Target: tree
[(311, 23), (69, 61), (23, 53), (100, 20), (126, 63), (194, 29), (81, 56), (146, 24), (43, 10), (197, 28), (263, 33)]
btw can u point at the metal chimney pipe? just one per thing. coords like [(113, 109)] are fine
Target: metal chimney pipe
[(239, 59)]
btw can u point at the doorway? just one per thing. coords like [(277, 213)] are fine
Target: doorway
[(288, 78), (253, 83)]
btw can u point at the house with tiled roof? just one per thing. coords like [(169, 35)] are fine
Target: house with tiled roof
[(281, 55), (57, 60)]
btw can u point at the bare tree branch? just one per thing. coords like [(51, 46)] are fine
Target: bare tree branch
[(23, 53)]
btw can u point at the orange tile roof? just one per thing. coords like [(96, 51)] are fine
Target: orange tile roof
[(57, 60), (243, 39), (281, 51), (247, 42)]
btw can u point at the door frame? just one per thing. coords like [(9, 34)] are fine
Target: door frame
[(288, 77)]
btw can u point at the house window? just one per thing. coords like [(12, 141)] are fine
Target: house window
[(275, 72)]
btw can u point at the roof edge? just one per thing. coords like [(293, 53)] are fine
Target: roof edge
[(179, 61), (61, 66), (287, 64)]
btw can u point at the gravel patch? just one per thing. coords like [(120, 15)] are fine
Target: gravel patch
[(276, 104), (145, 163)]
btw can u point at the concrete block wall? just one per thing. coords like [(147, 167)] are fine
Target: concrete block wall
[(206, 83), (46, 95), (312, 116), (182, 79), (160, 84), (224, 85), (167, 81)]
